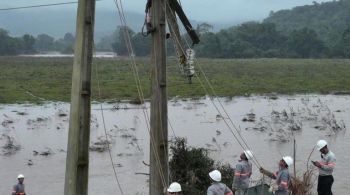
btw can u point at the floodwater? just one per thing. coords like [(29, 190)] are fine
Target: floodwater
[(39, 133)]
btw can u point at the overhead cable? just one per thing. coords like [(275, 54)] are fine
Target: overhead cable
[(40, 5)]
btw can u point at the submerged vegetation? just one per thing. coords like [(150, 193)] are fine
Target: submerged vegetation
[(49, 79)]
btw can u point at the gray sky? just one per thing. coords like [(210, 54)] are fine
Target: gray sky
[(218, 11)]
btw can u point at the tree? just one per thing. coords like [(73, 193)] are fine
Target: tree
[(209, 47), (120, 44), (65, 44), (28, 42), (142, 45), (204, 28), (8, 45), (346, 42), (44, 43), (305, 43)]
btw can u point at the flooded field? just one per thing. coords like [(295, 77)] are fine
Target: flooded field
[(33, 138)]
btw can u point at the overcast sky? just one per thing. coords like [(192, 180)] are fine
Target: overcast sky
[(219, 11)]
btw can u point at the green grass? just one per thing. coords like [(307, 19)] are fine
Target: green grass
[(50, 78)]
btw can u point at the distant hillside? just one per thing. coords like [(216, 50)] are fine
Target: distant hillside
[(328, 19), (56, 23)]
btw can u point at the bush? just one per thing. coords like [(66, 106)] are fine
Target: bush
[(190, 167)]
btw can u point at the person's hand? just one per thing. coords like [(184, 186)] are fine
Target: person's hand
[(317, 164)]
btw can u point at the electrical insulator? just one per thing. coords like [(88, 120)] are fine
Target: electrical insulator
[(189, 68)]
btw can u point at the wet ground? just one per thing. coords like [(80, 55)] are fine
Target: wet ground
[(33, 138)]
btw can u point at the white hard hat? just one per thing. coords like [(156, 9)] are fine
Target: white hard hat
[(320, 144), (288, 160), (20, 176), (174, 187), (215, 175), (248, 154)]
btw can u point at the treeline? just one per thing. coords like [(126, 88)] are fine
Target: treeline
[(329, 19), (28, 44), (248, 40), (255, 40)]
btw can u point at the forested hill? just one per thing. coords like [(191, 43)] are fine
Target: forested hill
[(328, 19)]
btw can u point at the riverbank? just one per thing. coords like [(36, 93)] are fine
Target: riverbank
[(28, 79)]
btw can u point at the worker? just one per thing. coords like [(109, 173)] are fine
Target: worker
[(282, 176), (174, 189), (217, 188), (242, 174), (18, 189), (326, 167)]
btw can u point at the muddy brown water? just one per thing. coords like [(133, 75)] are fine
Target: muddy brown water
[(44, 128)]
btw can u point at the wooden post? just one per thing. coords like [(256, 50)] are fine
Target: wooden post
[(159, 119), (175, 34), (77, 162)]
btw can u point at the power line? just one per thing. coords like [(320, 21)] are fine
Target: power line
[(40, 5)]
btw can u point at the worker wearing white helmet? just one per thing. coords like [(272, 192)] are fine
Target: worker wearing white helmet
[(174, 188), (243, 172), (18, 189), (217, 188), (282, 176), (326, 167)]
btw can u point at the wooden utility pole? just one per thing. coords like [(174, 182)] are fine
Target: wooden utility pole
[(159, 110), (77, 162)]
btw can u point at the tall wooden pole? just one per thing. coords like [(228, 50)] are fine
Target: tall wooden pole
[(77, 163), (159, 110)]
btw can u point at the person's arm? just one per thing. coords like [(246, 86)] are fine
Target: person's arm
[(268, 173), (209, 192), (14, 190), (329, 166), (228, 191)]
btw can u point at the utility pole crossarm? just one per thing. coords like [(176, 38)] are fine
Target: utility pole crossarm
[(174, 4)]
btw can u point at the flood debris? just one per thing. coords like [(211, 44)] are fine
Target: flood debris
[(21, 113), (333, 125), (124, 154), (6, 122), (37, 120), (218, 132), (10, 147), (219, 117), (101, 145), (280, 125), (30, 162), (250, 117), (62, 114), (46, 152), (295, 126)]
